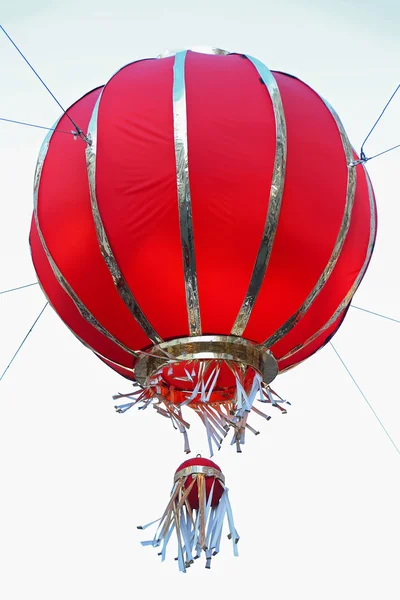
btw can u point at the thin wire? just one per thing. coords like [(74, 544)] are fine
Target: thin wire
[(21, 287), (78, 130), (23, 341), (365, 398), (362, 154), (38, 126), (375, 313), (380, 153)]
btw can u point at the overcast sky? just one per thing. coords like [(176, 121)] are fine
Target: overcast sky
[(316, 496)]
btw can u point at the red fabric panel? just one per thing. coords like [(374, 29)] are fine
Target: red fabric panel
[(226, 379), (231, 142), (346, 271), (312, 209), (199, 461), (137, 192), (127, 373), (309, 350), (66, 222), (67, 310)]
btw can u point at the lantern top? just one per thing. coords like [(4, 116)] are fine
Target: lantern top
[(199, 465), (199, 49)]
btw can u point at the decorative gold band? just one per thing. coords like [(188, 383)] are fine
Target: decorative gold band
[(120, 283), (210, 347), (207, 471), (274, 202), (184, 197), (82, 309), (340, 240)]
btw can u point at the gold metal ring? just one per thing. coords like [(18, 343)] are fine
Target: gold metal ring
[(207, 471), (210, 347)]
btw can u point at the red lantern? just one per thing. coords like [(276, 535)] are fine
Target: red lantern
[(196, 510), (209, 231), (211, 482)]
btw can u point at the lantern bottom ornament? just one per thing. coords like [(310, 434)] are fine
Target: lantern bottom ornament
[(218, 377), (196, 511)]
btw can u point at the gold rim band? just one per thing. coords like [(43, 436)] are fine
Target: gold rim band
[(208, 347), (203, 470)]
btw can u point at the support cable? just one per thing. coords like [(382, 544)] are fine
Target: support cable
[(366, 399), (23, 342)]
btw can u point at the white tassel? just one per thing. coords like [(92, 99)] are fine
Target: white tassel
[(218, 416), (195, 535)]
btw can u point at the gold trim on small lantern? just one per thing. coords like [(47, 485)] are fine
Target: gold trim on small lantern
[(195, 469)]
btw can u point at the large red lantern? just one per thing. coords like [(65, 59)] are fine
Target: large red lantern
[(208, 231)]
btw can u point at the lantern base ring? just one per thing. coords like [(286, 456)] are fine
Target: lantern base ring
[(195, 469), (207, 347)]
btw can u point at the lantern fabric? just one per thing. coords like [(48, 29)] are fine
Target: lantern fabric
[(211, 197)]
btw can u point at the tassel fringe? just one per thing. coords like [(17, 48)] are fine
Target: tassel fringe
[(219, 417), (197, 530)]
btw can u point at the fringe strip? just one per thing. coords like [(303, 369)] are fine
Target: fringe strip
[(218, 418)]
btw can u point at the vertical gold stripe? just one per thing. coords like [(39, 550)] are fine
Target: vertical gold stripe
[(105, 248), (341, 237), (83, 311), (184, 199), (275, 199), (347, 299)]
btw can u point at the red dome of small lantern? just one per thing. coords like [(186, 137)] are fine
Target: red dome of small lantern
[(208, 233), (213, 485)]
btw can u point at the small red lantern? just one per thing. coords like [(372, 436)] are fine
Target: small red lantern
[(208, 232), (196, 510)]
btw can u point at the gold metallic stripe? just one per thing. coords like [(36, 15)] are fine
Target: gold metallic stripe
[(275, 199), (199, 469), (344, 228), (184, 200), (84, 312), (105, 248), (347, 299)]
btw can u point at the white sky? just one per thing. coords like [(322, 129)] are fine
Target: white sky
[(316, 497)]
